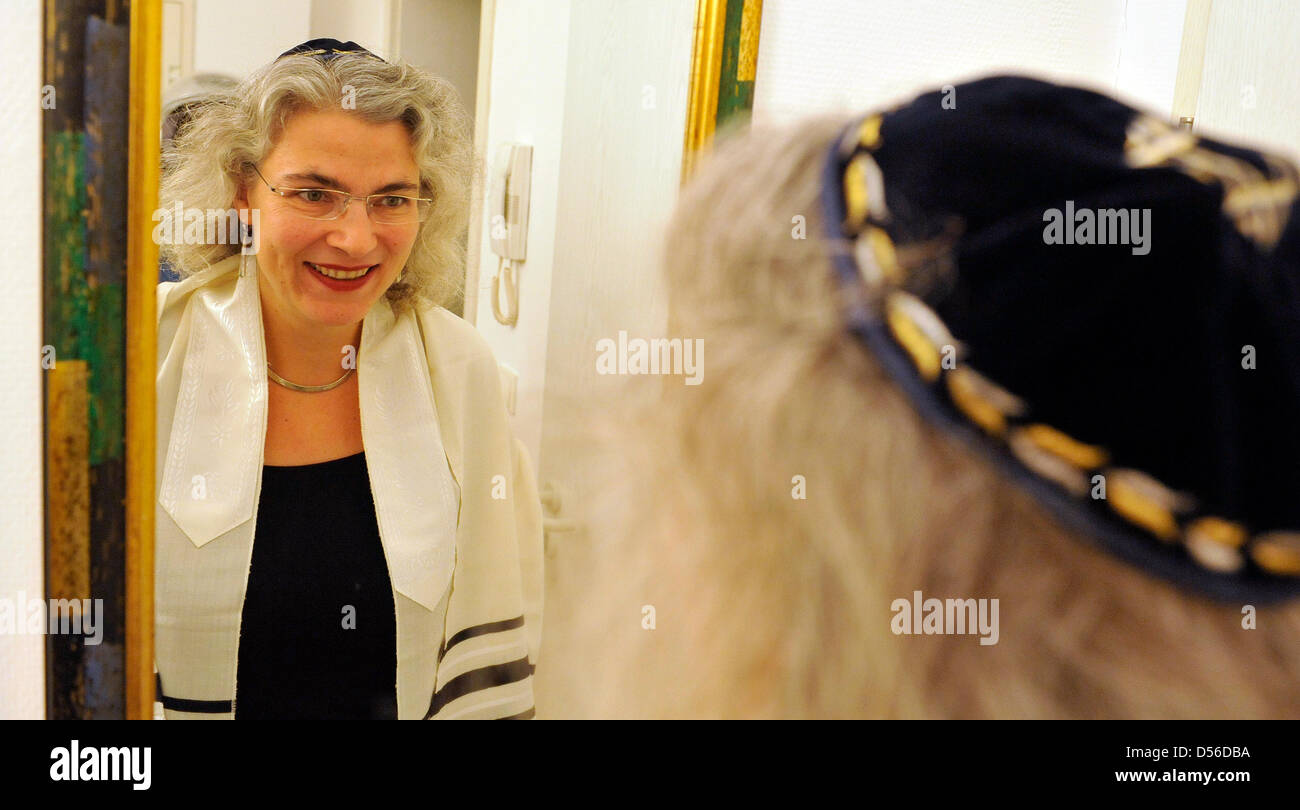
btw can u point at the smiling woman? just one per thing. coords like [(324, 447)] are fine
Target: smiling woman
[(332, 440), (227, 140)]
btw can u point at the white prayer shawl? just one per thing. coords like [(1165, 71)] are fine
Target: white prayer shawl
[(465, 562)]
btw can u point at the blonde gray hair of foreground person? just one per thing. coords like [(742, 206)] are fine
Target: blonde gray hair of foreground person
[(766, 606), (213, 152)]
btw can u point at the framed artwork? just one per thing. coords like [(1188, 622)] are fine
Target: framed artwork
[(722, 71), (141, 351)]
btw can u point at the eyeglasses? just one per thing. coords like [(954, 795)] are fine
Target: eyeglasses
[(328, 203)]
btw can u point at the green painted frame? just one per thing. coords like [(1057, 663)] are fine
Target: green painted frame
[(723, 65)]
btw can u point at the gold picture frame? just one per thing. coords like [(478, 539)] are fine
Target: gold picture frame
[(724, 62), (141, 352)]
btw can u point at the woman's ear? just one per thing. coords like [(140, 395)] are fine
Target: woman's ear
[(248, 218), (241, 205), (241, 202)]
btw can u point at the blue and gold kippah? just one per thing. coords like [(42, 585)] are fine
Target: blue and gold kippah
[(326, 49), (1146, 390)]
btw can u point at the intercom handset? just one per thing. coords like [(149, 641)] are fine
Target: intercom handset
[(511, 176), (508, 224)]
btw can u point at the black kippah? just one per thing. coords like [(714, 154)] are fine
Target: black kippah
[(1106, 303), (325, 49)]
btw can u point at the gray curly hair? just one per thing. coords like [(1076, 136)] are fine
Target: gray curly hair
[(230, 131)]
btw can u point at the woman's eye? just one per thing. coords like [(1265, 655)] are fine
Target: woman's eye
[(306, 195)]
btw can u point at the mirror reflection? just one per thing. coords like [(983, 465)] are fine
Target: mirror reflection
[(702, 358)]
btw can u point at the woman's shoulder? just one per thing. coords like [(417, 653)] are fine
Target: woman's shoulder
[(459, 356), (447, 332), (174, 295), (174, 298)]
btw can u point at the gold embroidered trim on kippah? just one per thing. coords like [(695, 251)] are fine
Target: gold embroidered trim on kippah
[(1049, 465), (1261, 209), (864, 194), (1278, 552), (855, 193), (882, 249), (1084, 456), (869, 132), (1143, 500), (1219, 531), (1258, 203), (1151, 142), (1214, 543), (924, 354), (1213, 556), (873, 275), (984, 403)]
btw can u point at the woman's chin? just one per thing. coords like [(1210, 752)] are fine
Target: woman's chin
[(328, 314)]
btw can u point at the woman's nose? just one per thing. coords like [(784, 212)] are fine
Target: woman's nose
[(354, 231)]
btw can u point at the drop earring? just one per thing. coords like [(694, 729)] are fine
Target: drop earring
[(245, 242)]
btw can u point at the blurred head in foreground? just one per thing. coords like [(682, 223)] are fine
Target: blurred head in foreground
[(950, 389)]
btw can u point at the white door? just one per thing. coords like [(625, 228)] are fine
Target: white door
[(599, 90)]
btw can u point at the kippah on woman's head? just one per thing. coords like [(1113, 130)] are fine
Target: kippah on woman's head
[(1109, 304), (325, 49)]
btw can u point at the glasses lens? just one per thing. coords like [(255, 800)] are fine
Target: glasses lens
[(318, 203), (396, 209)]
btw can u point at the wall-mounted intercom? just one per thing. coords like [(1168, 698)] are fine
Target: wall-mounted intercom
[(508, 224)]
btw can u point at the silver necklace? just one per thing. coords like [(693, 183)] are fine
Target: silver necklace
[(307, 389)]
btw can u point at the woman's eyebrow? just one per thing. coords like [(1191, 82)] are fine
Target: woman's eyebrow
[(314, 177)]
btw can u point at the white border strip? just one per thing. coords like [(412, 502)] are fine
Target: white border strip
[(22, 536)]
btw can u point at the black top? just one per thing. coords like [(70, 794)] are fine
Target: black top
[(318, 639)]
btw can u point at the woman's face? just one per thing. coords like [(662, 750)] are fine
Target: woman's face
[(337, 150)]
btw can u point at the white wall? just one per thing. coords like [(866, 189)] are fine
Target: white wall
[(365, 22), (529, 83), (857, 54), (1149, 44), (236, 37), (1250, 85), (599, 88), (22, 541), (441, 36)]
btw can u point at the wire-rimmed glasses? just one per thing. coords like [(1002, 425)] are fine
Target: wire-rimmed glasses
[(329, 203)]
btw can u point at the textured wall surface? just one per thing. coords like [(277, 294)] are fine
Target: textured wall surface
[(1150, 42), (1250, 87), (227, 40), (855, 54), (599, 89), (442, 36), (22, 660), (529, 82), (365, 22)]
